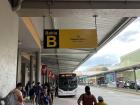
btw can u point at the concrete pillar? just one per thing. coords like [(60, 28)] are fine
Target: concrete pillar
[(31, 68), (43, 79), (135, 79), (38, 65), (27, 74), (46, 77), (18, 79), (115, 78), (8, 47), (23, 72), (34, 73)]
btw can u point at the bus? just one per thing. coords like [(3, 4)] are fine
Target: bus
[(67, 84)]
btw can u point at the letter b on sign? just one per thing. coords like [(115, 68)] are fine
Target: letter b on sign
[(51, 41), (51, 38)]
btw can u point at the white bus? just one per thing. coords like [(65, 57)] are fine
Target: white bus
[(67, 84)]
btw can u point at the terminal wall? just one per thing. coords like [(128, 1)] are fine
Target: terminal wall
[(8, 47)]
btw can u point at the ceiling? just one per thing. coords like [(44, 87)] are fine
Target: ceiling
[(109, 22), (81, 4)]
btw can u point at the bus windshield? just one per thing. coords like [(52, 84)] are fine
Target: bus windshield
[(67, 83)]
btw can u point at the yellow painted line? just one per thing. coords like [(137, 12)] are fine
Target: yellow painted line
[(32, 29)]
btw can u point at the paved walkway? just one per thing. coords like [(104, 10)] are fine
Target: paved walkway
[(55, 102), (62, 101), (125, 90)]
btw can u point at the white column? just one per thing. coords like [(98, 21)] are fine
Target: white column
[(8, 47), (38, 67), (19, 67)]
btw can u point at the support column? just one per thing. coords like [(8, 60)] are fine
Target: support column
[(27, 73), (31, 68), (135, 79), (38, 71), (43, 79), (46, 77), (9, 22), (115, 78), (18, 75), (23, 73)]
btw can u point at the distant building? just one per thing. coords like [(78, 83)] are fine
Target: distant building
[(128, 60)]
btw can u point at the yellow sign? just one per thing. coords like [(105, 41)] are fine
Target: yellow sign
[(77, 38), (70, 38)]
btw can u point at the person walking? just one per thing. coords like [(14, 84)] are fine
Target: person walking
[(101, 101), (32, 94), (38, 90), (87, 98)]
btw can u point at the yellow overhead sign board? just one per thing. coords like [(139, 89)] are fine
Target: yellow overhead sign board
[(78, 38), (70, 38)]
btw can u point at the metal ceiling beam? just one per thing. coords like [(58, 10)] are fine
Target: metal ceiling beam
[(48, 57), (68, 62), (55, 69), (62, 67), (64, 59), (83, 4), (50, 64), (66, 53), (67, 67), (49, 60), (80, 49), (66, 70), (77, 49)]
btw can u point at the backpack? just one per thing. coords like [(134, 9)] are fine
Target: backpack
[(46, 100), (11, 99), (32, 92)]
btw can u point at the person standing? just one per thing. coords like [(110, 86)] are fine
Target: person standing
[(27, 88), (56, 90), (87, 98)]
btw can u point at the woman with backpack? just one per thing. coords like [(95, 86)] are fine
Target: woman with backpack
[(46, 97), (87, 98)]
